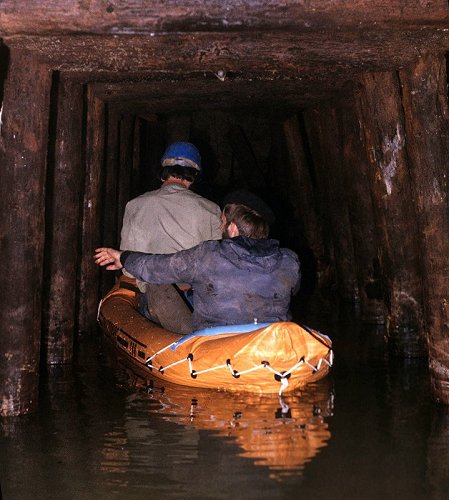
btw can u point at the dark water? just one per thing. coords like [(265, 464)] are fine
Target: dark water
[(368, 431)]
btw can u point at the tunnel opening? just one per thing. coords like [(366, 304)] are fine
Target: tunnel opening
[(240, 149), (293, 157)]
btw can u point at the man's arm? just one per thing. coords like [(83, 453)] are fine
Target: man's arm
[(155, 269), (163, 269)]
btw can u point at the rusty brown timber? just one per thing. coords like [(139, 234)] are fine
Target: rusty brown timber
[(64, 188), (23, 145)]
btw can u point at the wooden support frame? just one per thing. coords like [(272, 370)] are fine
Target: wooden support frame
[(64, 190), (23, 152), (380, 109), (92, 209), (425, 105)]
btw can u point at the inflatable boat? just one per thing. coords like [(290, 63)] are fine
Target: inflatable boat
[(260, 358)]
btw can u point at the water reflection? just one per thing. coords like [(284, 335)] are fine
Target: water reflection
[(282, 434), (105, 431)]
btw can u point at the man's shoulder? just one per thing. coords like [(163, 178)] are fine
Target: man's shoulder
[(144, 197), (201, 200), (291, 255), (206, 248)]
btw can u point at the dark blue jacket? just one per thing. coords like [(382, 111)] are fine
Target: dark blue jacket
[(234, 280)]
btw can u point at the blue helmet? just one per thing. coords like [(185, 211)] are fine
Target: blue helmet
[(184, 154)]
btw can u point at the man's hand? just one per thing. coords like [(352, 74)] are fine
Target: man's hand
[(108, 257)]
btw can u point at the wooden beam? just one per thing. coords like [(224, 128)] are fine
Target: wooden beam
[(64, 189), (273, 55), (92, 212), (355, 177), (299, 190), (394, 212), (427, 124), (96, 16), (23, 150), (324, 136)]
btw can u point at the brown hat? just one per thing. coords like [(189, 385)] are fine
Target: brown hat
[(250, 200)]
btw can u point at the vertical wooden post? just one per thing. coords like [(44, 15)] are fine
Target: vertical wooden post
[(63, 221), (299, 190), (293, 189), (111, 179), (23, 150), (126, 138), (325, 144), (152, 144), (89, 288), (355, 177), (126, 173), (381, 115), (110, 223), (427, 126)]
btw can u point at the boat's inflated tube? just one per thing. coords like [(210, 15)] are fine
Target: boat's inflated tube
[(218, 330)]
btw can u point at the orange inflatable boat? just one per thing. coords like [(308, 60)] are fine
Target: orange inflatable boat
[(268, 358)]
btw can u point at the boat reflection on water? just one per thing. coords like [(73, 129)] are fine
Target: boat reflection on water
[(281, 433)]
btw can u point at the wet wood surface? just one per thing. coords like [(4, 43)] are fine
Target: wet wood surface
[(91, 230), (324, 133), (23, 150), (64, 198), (426, 118), (356, 189), (297, 178), (97, 16), (394, 211)]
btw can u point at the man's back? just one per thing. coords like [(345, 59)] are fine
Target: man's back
[(169, 219), (235, 280)]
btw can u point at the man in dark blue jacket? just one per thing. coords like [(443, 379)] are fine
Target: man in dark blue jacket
[(241, 279)]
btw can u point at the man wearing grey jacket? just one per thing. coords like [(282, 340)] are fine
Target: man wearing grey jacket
[(167, 220)]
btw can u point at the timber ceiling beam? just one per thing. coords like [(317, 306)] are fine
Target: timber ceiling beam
[(144, 17), (283, 53), (225, 53)]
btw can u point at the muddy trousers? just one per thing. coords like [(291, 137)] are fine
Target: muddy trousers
[(167, 305)]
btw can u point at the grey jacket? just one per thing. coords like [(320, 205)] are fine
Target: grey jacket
[(235, 281), (167, 220)]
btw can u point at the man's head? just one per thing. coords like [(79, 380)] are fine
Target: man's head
[(245, 214), (181, 160)]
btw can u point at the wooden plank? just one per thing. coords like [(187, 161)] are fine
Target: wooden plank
[(355, 176), (426, 123), (64, 189), (298, 187), (394, 212), (324, 136), (110, 234), (91, 236), (23, 150), (135, 16), (268, 54)]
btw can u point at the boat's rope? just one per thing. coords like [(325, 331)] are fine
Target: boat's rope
[(148, 361), (281, 377), (99, 307)]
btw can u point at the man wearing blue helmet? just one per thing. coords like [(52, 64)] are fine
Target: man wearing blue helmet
[(170, 219)]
